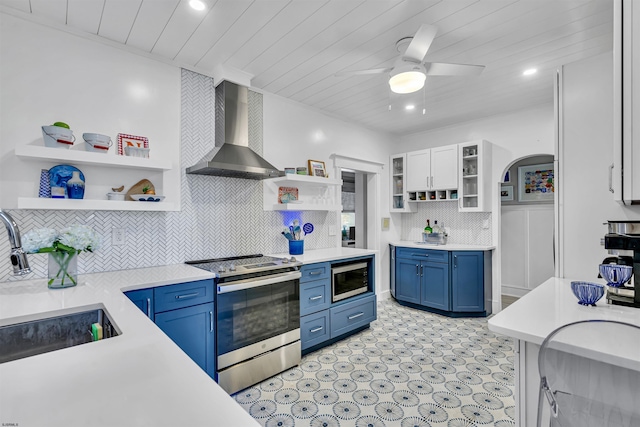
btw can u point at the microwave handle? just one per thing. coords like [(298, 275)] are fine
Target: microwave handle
[(241, 285)]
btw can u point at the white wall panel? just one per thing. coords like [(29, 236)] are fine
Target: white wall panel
[(585, 155)]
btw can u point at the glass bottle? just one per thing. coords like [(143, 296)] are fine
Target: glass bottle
[(428, 228)]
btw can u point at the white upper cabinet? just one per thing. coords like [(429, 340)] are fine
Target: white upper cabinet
[(419, 170), (624, 181), (444, 167), (433, 169)]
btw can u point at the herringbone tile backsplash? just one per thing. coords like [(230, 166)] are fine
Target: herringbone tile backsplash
[(219, 216), (464, 228)]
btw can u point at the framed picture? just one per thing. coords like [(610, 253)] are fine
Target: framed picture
[(287, 194), (536, 183), (317, 168), (507, 177), (506, 193), (126, 140)]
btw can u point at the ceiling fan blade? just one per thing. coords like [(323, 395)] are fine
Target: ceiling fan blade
[(363, 72), (421, 42), (444, 69)]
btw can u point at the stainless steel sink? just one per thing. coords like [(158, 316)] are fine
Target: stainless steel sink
[(39, 336)]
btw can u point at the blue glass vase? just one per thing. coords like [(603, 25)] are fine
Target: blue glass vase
[(75, 187)]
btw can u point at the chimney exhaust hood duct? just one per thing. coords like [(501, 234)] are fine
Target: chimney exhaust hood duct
[(232, 156)]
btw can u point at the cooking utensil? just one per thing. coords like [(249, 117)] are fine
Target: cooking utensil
[(307, 228), (287, 233), (296, 229)]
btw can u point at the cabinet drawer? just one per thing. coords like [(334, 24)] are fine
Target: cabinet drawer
[(314, 329), (317, 271), (183, 295), (315, 296), (352, 315), (429, 255)]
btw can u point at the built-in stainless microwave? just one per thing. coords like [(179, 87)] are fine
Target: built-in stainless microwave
[(349, 279)]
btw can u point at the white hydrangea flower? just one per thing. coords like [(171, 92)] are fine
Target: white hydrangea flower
[(80, 237), (40, 238)]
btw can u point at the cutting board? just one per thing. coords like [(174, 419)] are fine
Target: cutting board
[(137, 189)]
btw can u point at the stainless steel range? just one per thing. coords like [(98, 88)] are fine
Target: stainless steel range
[(257, 317)]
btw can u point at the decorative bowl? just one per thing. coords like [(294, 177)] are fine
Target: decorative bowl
[(147, 198), (587, 293), (616, 275), (115, 196)]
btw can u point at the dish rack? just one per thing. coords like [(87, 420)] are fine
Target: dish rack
[(434, 238)]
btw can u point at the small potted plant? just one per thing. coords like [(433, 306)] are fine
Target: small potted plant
[(148, 190), (63, 248)]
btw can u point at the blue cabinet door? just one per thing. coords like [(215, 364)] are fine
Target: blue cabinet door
[(392, 268), (192, 329), (408, 280), (435, 285), (467, 281), (143, 299), (314, 329)]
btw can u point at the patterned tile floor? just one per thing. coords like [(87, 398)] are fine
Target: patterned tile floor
[(411, 368)]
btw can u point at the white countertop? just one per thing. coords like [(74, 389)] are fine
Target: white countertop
[(330, 254), (447, 247), (552, 305), (139, 378)]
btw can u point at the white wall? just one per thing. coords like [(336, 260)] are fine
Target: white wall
[(219, 216), (294, 133), (585, 155), (522, 133), (50, 76)]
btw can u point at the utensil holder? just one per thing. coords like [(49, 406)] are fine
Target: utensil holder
[(296, 247)]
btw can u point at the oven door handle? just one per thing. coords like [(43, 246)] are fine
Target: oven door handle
[(241, 285)]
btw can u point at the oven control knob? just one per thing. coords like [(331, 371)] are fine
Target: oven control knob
[(232, 267), (293, 259), (285, 260), (221, 269)]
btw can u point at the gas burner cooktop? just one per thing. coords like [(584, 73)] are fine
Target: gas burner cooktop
[(245, 264)]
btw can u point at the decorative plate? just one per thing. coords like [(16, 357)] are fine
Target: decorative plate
[(147, 197), (60, 174)]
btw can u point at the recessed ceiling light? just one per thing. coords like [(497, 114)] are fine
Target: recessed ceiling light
[(530, 71), (197, 4), (409, 107)]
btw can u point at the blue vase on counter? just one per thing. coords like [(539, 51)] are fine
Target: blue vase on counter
[(75, 186)]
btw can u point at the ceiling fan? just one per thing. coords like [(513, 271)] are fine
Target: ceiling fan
[(409, 72)]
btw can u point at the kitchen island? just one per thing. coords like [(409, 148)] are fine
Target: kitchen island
[(534, 316), (138, 378)]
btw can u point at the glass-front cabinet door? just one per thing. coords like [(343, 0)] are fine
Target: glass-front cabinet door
[(474, 173), (398, 189)]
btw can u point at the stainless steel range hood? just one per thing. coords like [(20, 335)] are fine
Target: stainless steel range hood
[(232, 156)]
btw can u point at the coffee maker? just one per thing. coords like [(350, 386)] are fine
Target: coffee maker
[(623, 240)]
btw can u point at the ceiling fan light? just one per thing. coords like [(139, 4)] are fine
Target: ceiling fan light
[(407, 82)]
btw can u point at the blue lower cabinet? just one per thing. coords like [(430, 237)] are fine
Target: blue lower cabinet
[(352, 315), (192, 329), (143, 299), (408, 280), (435, 286), (314, 329), (467, 281)]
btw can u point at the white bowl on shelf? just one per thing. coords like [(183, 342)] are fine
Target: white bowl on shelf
[(116, 196)]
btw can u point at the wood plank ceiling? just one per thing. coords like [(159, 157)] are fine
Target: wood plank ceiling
[(293, 48)]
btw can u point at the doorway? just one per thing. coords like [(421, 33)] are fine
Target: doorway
[(353, 218), (527, 225)]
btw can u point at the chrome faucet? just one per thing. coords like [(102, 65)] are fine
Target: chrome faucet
[(18, 256)]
